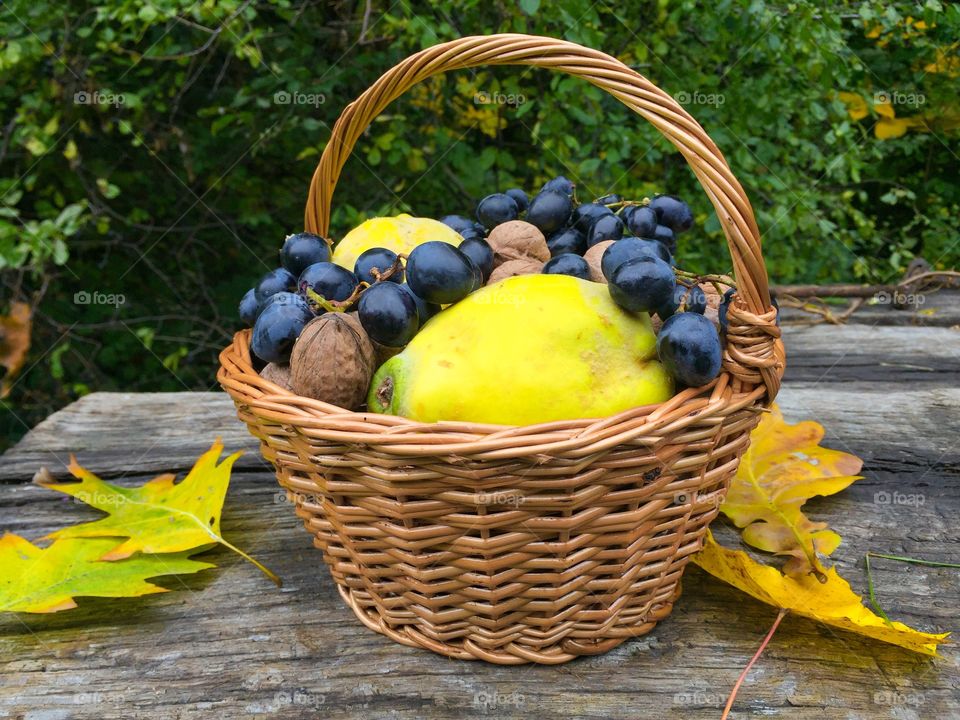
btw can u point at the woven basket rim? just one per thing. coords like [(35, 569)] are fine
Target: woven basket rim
[(404, 436)]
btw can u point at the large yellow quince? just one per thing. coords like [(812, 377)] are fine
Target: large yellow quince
[(529, 349)]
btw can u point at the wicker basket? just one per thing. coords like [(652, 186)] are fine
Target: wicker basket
[(521, 544)]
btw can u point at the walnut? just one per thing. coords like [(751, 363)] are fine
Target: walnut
[(277, 374), (593, 256), (511, 268), (517, 240), (333, 360)]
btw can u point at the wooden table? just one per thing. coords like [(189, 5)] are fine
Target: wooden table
[(228, 644)]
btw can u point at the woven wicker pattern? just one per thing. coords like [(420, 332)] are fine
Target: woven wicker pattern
[(525, 544)]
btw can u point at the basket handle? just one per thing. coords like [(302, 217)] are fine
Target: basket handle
[(756, 356)]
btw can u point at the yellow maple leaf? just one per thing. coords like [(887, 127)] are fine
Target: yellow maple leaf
[(782, 469), (832, 602), (161, 516), (45, 580)]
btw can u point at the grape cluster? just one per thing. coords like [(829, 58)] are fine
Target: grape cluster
[(395, 295), (638, 263), (393, 299)]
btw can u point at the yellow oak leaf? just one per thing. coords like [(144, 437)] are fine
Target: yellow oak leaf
[(782, 469), (46, 580), (832, 602), (161, 516)]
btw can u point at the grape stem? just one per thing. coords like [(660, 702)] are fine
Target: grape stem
[(389, 272), (336, 305), (716, 280), (624, 204)]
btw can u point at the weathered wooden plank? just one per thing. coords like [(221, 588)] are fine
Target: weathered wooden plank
[(863, 353), (171, 429), (934, 309), (132, 433), (103, 425), (228, 644)]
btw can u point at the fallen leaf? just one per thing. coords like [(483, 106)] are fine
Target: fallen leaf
[(161, 516), (45, 580), (832, 602), (782, 469), (14, 343)]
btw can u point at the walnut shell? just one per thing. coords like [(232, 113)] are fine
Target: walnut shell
[(517, 240), (511, 268), (333, 360), (593, 256), (277, 374)]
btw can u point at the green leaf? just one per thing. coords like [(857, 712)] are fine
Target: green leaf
[(530, 7)]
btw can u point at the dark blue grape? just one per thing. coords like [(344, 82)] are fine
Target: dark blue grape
[(559, 184), (672, 212), (585, 215), (441, 274), (496, 209), (303, 249), (473, 233), (666, 236), (278, 326), (628, 249), (567, 264), (379, 259), (249, 308), (519, 197), (611, 199), (389, 314), (329, 281), (689, 348), (692, 298), (425, 310), (458, 223), (606, 227), (569, 240), (549, 211), (642, 285), (481, 253), (273, 282), (642, 221)]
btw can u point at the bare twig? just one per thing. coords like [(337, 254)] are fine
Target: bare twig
[(756, 656)]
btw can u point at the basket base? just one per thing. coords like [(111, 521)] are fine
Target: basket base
[(515, 654)]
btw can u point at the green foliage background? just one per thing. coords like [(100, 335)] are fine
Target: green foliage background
[(146, 151)]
